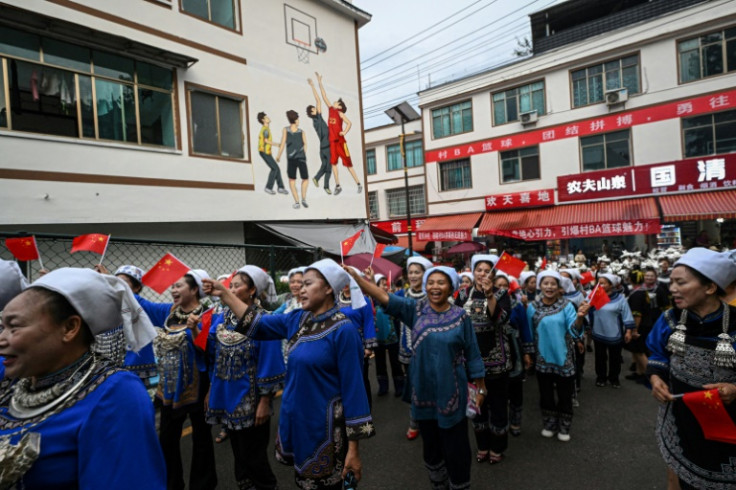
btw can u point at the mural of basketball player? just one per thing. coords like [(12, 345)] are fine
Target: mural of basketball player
[(338, 145), (295, 142), (264, 149), (320, 126)]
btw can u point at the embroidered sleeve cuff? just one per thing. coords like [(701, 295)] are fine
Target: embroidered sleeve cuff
[(370, 344), (271, 385), (247, 324), (630, 326), (528, 347), (360, 428), (659, 368)]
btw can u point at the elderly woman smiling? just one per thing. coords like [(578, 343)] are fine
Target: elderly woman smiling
[(692, 350), (444, 350), (71, 419)]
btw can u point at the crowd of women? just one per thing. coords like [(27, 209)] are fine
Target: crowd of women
[(79, 347)]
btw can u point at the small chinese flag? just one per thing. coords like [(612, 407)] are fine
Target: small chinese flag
[(598, 297), (510, 265), (94, 242), (544, 264), (164, 273), (347, 244), (514, 286), (586, 277), (205, 322), (712, 416), (380, 247), (229, 279), (24, 248)]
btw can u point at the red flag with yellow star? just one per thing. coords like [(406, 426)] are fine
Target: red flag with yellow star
[(510, 264), (347, 244), (712, 416), (205, 323), (23, 248), (164, 273), (94, 242)]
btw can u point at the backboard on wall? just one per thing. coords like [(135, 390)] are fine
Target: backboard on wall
[(301, 29)]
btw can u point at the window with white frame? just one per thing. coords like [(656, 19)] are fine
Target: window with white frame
[(455, 174), (709, 134), (590, 84), (396, 201), (507, 105), (221, 12), (521, 164), (370, 162), (610, 150), (216, 123), (452, 119), (64, 89), (414, 155), (707, 55), (373, 205)]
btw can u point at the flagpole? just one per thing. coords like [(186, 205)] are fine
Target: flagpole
[(342, 259), (40, 260), (105, 251)]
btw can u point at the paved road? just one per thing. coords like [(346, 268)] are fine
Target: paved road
[(612, 447)]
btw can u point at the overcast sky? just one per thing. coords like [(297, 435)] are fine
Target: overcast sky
[(402, 53)]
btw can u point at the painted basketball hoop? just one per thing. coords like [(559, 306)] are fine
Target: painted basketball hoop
[(302, 52)]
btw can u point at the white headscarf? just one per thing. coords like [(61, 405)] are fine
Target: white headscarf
[(295, 270), (378, 277), (420, 261), (131, 271), (574, 273), (567, 285), (467, 274), (198, 275), (548, 273), (718, 267), (103, 301), (12, 282), (261, 281), (612, 278), (448, 271), (525, 276), (337, 278), (490, 258)]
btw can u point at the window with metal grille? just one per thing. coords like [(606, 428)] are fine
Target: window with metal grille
[(455, 174), (452, 119), (507, 105), (396, 201), (370, 162), (707, 55), (414, 155), (373, 205)]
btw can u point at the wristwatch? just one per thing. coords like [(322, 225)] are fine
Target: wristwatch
[(483, 392)]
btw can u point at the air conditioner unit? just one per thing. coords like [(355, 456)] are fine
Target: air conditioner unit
[(528, 117), (616, 96)]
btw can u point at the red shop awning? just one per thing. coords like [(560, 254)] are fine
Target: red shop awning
[(699, 205), (417, 245), (452, 228), (595, 219)]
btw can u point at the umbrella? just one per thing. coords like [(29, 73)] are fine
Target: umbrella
[(382, 266), (395, 249), (466, 247)]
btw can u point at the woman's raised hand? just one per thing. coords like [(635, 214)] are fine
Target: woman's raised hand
[(212, 287)]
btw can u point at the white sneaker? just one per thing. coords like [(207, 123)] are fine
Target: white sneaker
[(563, 437), (547, 433)]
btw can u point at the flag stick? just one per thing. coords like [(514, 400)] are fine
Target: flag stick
[(40, 260), (592, 293), (342, 259), (678, 396), (105, 251)]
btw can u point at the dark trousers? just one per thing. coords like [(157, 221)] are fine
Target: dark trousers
[(516, 399), (275, 174), (325, 169), (250, 452), (556, 410), (491, 424), (446, 453), (393, 358), (202, 475), (579, 364), (607, 361), (367, 382)]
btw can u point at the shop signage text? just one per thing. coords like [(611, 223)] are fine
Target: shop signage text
[(398, 225), (445, 236), (543, 197), (611, 228)]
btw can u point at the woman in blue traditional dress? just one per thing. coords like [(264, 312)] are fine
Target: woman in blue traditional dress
[(611, 327), (692, 349), (71, 419), (444, 354), (183, 383), (415, 268), (12, 283), (555, 326), (324, 409), (245, 374), (489, 308)]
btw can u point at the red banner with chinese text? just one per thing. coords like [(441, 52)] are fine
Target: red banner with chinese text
[(620, 120), (397, 225)]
